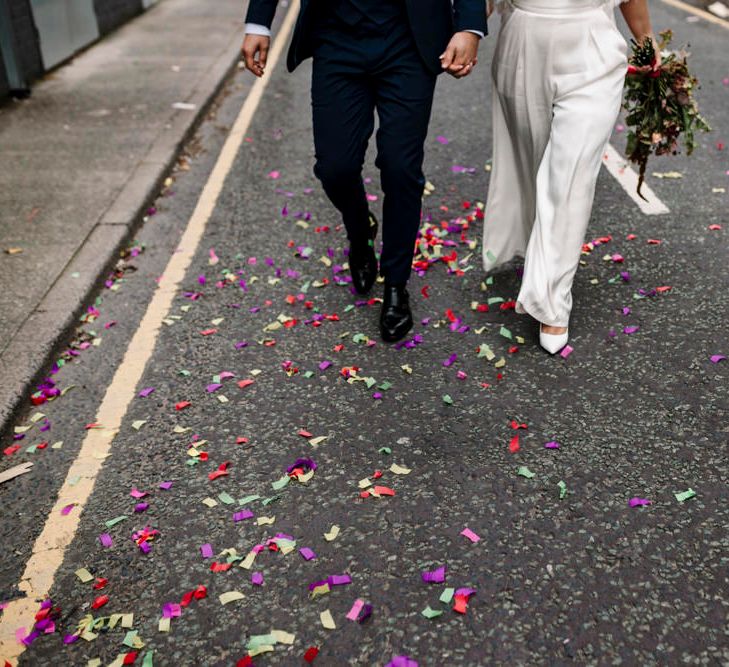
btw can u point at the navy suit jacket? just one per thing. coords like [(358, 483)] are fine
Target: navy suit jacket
[(432, 22)]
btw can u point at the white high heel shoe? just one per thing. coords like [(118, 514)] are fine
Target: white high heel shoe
[(553, 343)]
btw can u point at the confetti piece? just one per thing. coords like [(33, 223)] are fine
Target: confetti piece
[(447, 595), (431, 613), (469, 534), (230, 596), (84, 575), (332, 534), (716, 358), (105, 540), (683, 496), (447, 400), (525, 472), (566, 351), (399, 470), (562, 489), (552, 444), (514, 444), (638, 502), (311, 654), (327, 621), (353, 613)]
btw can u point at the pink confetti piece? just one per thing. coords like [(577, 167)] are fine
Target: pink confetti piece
[(566, 351), (166, 486), (67, 509), (106, 540), (638, 502), (257, 578), (171, 610), (355, 610), (552, 444), (206, 550), (716, 358), (136, 493), (274, 175), (469, 534)]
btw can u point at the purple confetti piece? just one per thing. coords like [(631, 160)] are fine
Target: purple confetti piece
[(627, 310), (339, 580), (630, 329), (67, 509), (141, 507), (638, 502), (206, 550), (146, 392), (442, 140), (242, 515), (377, 396), (165, 485), (434, 577), (552, 444), (213, 387), (70, 639), (106, 540), (324, 365), (307, 554), (241, 345), (451, 360), (307, 464), (402, 661), (716, 358), (466, 592), (257, 578)]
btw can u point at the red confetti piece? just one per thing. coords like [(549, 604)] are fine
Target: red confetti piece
[(100, 583), (311, 653), (208, 332), (305, 434), (222, 471), (220, 567), (182, 405), (130, 657), (99, 601), (714, 228), (460, 604), (424, 291), (516, 425), (241, 441), (245, 662), (9, 451), (245, 383), (514, 444), (384, 491), (654, 242)]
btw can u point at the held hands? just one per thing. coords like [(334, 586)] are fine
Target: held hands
[(255, 53), (461, 56)]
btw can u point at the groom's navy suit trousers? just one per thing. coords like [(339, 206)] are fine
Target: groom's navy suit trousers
[(358, 70), (374, 57)]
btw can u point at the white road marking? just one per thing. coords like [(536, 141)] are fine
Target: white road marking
[(618, 166), (698, 12), (58, 531)]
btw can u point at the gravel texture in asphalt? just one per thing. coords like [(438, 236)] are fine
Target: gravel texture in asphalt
[(563, 568)]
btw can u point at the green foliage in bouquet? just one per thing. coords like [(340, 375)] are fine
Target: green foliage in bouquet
[(660, 103)]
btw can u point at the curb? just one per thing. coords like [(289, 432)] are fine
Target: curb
[(57, 315)]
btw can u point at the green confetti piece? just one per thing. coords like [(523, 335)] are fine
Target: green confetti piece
[(216, 379), (494, 300), (184, 373), (431, 613), (272, 499), (131, 639), (492, 258), (248, 499), (683, 496), (506, 333), (525, 472), (447, 595), (226, 498), (260, 640), (385, 386), (447, 400), (147, 661), (112, 522), (385, 450), (349, 307), (280, 483), (370, 382), (308, 374), (562, 489)]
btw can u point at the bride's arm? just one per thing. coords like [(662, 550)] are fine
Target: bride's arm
[(638, 18)]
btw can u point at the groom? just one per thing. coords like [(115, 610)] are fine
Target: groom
[(374, 56)]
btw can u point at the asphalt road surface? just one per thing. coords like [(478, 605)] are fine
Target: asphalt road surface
[(279, 362)]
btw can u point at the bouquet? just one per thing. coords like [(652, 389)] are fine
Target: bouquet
[(660, 103)]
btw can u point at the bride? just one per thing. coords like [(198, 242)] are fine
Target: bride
[(557, 74)]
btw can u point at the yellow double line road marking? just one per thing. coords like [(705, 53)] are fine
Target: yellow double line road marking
[(58, 531)]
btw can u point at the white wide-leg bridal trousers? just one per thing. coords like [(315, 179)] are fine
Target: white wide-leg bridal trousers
[(558, 75)]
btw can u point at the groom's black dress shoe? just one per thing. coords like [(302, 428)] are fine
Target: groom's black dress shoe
[(362, 260), (395, 318)]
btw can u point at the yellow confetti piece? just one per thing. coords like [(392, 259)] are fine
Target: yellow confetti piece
[(230, 596), (265, 520), (247, 562), (181, 429), (256, 371), (364, 483), (318, 440), (222, 398), (500, 363), (407, 369), (136, 425), (263, 648), (127, 620), (318, 591), (57, 445), (84, 575), (210, 502), (332, 534), (283, 637), (216, 321), (327, 621), (399, 470), (37, 417)]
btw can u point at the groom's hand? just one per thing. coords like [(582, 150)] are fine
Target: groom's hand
[(255, 52), (461, 56)]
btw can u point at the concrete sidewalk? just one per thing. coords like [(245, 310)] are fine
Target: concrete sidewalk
[(83, 157)]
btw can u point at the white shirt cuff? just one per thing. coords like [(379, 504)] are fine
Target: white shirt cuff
[(257, 29), (476, 32)]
